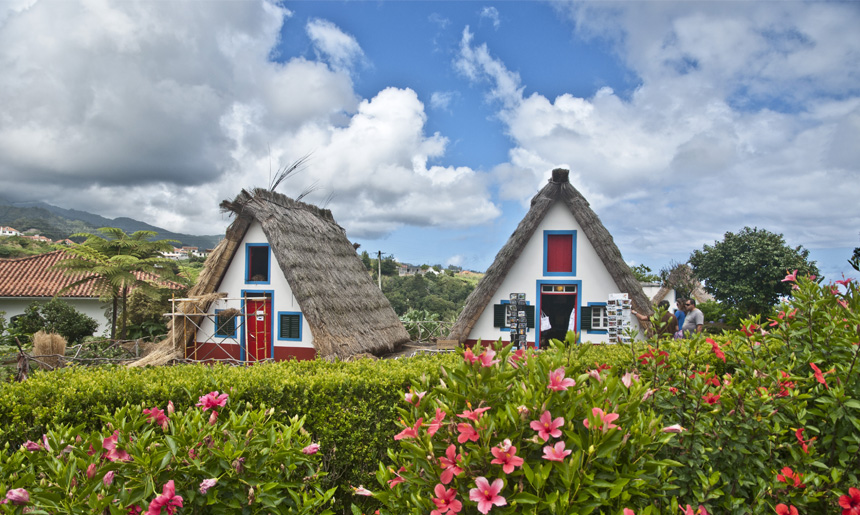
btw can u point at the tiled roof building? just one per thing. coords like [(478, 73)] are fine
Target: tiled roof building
[(34, 276)]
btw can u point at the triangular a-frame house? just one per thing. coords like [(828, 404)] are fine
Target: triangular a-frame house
[(565, 262), (285, 283)]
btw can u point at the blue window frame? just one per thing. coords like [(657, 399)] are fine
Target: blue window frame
[(225, 327), (258, 263), (547, 242), (290, 326)]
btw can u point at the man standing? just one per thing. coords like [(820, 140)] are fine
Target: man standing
[(694, 320)]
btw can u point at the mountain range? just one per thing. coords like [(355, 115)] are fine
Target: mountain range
[(58, 223)]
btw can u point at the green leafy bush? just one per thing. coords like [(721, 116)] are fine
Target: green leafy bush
[(55, 316), (515, 433), (197, 459)]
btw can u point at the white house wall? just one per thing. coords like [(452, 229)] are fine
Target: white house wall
[(523, 276), (234, 283), (91, 307)]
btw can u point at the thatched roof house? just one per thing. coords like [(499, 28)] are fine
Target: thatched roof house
[(681, 278), (565, 261), (318, 299)]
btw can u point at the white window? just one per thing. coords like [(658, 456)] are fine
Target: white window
[(598, 317)]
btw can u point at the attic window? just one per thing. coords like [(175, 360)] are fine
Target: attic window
[(559, 253), (257, 264)]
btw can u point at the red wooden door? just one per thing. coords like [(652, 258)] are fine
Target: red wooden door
[(259, 329)]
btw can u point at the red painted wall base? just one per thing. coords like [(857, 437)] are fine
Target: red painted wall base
[(210, 352)]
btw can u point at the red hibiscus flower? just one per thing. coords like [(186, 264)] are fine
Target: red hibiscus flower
[(711, 398), (850, 503), (790, 478)]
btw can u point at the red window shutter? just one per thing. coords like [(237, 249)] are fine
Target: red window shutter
[(559, 249)]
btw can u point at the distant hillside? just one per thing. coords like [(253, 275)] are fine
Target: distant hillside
[(58, 223)]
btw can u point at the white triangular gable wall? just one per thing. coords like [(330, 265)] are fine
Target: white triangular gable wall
[(234, 283), (523, 277)]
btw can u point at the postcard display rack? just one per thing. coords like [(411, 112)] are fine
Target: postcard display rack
[(618, 309), (517, 320)]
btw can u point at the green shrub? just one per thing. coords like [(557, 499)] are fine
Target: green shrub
[(546, 439), (55, 316), (214, 462)]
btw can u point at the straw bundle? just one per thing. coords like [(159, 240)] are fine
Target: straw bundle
[(50, 345)]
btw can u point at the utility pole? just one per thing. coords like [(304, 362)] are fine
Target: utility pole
[(379, 264)]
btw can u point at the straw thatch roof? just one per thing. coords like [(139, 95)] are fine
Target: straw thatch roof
[(346, 311), (559, 189), (682, 275)]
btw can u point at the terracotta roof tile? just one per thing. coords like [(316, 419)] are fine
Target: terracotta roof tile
[(34, 276)]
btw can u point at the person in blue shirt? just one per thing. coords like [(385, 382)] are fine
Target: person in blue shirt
[(680, 312)]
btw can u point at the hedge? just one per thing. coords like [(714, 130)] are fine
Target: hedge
[(350, 407)]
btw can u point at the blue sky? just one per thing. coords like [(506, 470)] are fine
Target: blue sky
[(430, 125)]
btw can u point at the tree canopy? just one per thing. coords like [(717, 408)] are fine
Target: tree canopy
[(747, 269), (114, 261)]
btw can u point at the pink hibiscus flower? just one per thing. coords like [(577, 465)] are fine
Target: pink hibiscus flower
[(469, 356), (397, 479), (361, 490), (212, 400), (18, 496), (311, 449), (467, 432), (487, 495), (487, 356), (606, 420), (557, 381), (449, 464), (546, 426), (629, 378), (473, 414), (555, 453), (516, 357), (114, 453), (409, 432), (168, 499), (506, 456), (156, 416), (445, 501), (436, 423), (674, 428), (206, 484), (415, 398), (792, 277)]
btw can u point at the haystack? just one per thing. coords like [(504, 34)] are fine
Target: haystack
[(49, 349)]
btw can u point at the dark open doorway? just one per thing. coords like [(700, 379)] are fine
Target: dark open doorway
[(558, 301)]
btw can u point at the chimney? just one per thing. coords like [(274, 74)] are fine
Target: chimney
[(559, 175)]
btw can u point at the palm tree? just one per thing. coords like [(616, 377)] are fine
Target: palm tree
[(118, 262)]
